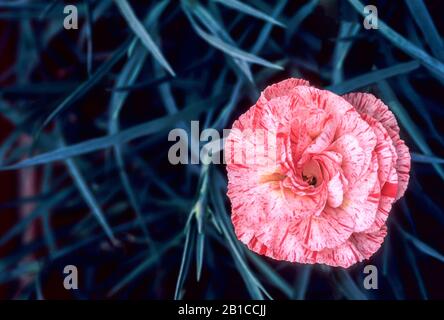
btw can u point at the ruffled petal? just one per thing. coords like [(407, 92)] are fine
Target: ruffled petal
[(388, 194), (331, 162), (369, 243), (344, 255), (402, 167), (304, 205), (361, 200), (353, 125), (335, 191), (331, 228), (384, 149), (358, 247), (280, 243), (322, 141), (366, 103), (282, 88), (353, 156)]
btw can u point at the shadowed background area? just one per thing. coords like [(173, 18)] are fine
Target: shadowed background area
[(84, 119)]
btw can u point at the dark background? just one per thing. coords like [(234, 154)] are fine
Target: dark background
[(47, 219)]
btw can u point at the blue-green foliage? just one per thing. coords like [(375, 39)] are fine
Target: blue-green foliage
[(98, 102)]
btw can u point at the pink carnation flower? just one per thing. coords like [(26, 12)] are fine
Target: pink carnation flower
[(323, 189)]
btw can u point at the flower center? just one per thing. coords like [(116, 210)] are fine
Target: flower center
[(311, 180), (311, 172)]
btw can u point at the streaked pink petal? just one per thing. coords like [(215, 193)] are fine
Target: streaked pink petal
[(353, 156), (353, 125), (331, 228), (402, 167), (331, 162), (322, 141), (362, 199), (384, 149), (388, 194), (369, 243), (282, 88), (358, 247), (344, 255), (364, 210), (335, 191), (366, 103), (304, 205), (325, 100)]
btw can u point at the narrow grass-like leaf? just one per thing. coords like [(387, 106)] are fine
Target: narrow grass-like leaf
[(349, 287), (413, 264), (410, 93), (25, 268), (408, 123), (249, 10), (171, 107), (190, 234), (407, 213), (147, 128), (200, 245), (48, 8), (89, 197), (300, 16), (141, 268), (235, 52), (346, 29), (403, 84), (390, 270), (373, 77), (38, 287), (96, 13), (155, 12), (434, 65), (94, 238), (46, 218), (15, 258), (215, 223), (162, 79), (38, 211), (250, 280), (228, 48), (422, 158), (81, 90), (302, 281), (89, 37), (140, 31), (266, 29), (127, 76), (8, 143), (217, 30), (422, 17), (422, 246), (222, 120), (270, 274)]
